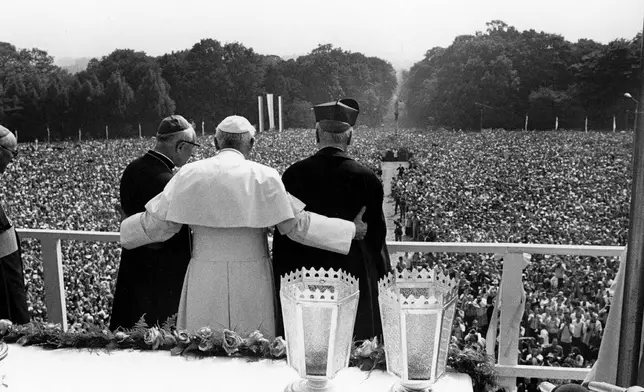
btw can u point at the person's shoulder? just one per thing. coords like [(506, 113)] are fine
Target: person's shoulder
[(137, 162), (304, 164), (137, 166), (360, 168), (260, 167)]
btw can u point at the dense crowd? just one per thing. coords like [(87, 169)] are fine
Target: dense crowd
[(494, 186), (72, 186), (544, 187)]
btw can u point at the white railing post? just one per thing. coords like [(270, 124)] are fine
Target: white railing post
[(52, 266), (512, 308)]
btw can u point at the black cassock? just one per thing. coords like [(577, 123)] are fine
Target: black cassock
[(331, 183), (150, 278), (13, 295)]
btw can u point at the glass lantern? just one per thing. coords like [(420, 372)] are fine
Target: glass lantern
[(319, 310), (417, 309)]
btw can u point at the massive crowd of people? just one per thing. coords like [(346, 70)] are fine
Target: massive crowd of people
[(75, 186), (493, 186), (544, 187)]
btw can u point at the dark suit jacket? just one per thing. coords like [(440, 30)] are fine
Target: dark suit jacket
[(13, 295), (150, 278), (332, 184)]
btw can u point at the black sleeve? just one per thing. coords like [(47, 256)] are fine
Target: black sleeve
[(137, 190), (5, 224), (377, 230), (154, 185)]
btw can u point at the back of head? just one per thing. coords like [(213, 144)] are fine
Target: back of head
[(9, 148), (235, 132), (335, 121), (7, 138), (174, 128), (176, 139)]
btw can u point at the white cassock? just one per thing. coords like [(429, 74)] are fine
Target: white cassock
[(229, 202)]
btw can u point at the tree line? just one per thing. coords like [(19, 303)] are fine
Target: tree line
[(499, 76), (205, 84)]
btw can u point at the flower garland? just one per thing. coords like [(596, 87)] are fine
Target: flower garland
[(368, 355)]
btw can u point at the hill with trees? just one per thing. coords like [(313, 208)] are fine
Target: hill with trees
[(205, 83), (503, 74)]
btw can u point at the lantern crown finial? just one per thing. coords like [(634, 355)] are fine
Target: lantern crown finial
[(319, 284), (419, 287)]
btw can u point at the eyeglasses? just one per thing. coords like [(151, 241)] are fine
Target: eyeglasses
[(14, 153), (191, 143)]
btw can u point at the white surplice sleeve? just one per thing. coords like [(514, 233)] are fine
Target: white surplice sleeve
[(318, 231), (143, 229)]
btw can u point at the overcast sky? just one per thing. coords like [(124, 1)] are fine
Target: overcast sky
[(398, 31)]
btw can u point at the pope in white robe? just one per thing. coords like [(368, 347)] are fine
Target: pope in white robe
[(229, 202)]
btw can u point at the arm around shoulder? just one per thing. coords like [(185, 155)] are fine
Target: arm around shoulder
[(318, 231), (143, 229)]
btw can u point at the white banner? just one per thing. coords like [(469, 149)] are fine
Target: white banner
[(271, 113), (260, 108), (279, 112)]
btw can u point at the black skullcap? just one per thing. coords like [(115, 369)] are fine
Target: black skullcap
[(337, 116), (173, 124)]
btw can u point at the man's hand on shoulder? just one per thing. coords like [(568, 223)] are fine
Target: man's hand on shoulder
[(361, 227), (120, 213)]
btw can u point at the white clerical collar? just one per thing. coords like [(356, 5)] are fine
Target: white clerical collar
[(231, 150)]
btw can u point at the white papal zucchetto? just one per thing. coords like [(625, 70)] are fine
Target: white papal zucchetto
[(236, 124)]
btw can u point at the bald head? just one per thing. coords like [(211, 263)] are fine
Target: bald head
[(7, 139), (9, 146)]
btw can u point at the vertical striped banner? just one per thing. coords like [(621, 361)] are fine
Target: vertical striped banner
[(271, 112), (260, 108), (614, 124), (279, 111)]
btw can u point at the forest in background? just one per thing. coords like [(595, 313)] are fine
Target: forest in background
[(490, 79), (205, 84), (502, 75)]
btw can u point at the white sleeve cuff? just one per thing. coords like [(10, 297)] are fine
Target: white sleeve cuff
[(331, 234), (132, 232)]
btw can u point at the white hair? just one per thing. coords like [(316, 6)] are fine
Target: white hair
[(173, 138), (233, 140), (333, 138)]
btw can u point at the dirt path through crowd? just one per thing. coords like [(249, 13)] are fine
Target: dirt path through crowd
[(389, 171)]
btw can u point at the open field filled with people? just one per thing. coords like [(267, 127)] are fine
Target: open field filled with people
[(490, 186)]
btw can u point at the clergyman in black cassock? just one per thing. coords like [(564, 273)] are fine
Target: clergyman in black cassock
[(150, 278), (13, 295), (333, 184)]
